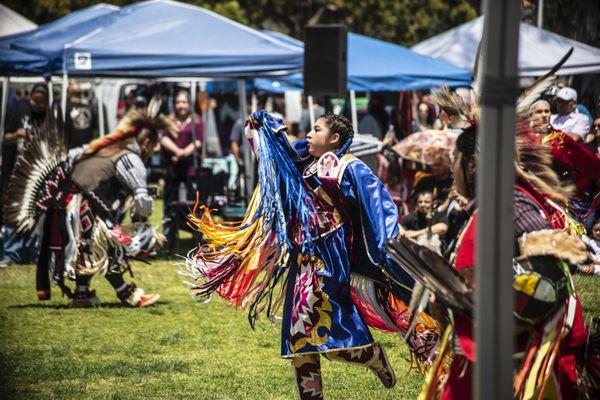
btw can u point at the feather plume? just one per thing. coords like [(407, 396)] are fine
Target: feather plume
[(533, 163), (534, 92), (39, 172), (553, 242), (453, 104), (134, 121), (154, 107), (477, 74)]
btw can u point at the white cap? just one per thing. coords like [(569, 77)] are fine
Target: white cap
[(567, 94)]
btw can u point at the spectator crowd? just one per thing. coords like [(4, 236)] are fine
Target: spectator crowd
[(208, 154)]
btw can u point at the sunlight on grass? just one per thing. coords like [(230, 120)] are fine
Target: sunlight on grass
[(180, 349)]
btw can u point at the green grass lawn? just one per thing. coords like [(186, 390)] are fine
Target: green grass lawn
[(179, 349)]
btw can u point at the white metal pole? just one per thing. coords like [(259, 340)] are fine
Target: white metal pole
[(64, 94), (242, 99), (540, 13), (99, 99), (311, 111), (254, 105), (51, 92), (248, 159), (494, 301), (353, 110), (193, 113), (204, 115), (5, 87)]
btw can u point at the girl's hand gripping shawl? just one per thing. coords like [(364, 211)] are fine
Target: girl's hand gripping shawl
[(244, 262)]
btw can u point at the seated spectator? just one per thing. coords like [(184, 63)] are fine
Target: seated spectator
[(400, 123), (539, 117), (438, 182), (424, 225), (592, 140), (593, 244), (455, 209), (424, 217), (568, 119)]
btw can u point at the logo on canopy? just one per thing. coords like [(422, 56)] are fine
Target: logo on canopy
[(83, 60)]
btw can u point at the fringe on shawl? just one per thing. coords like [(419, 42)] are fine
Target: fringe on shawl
[(245, 262)]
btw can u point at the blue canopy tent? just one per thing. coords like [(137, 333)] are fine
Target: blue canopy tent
[(48, 41), (60, 24), (14, 62), (279, 84), (39, 52), (375, 65), (162, 38), (215, 47), (167, 39)]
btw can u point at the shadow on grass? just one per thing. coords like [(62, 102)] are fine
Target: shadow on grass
[(101, 369), (67, 306)]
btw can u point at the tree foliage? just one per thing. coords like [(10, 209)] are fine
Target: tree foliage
[(400, 21), (405, 22)]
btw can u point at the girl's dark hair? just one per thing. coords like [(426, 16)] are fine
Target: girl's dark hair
[(466, 144), (343, 127)]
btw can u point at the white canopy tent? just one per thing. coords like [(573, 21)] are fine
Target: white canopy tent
[(539, 50), (12, 22)]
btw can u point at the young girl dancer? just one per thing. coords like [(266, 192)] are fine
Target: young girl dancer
[(313, 241)]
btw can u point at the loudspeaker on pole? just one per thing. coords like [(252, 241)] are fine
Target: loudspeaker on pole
[(325, 60)]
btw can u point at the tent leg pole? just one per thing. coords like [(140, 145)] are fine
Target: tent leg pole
[(193, 112), (353, 110), (494, 298), (99, 99), (5, 84), (64, 94), (242, 99), (51, 92), (254, 105), (311, 111), (204, 114), (248, 159)]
